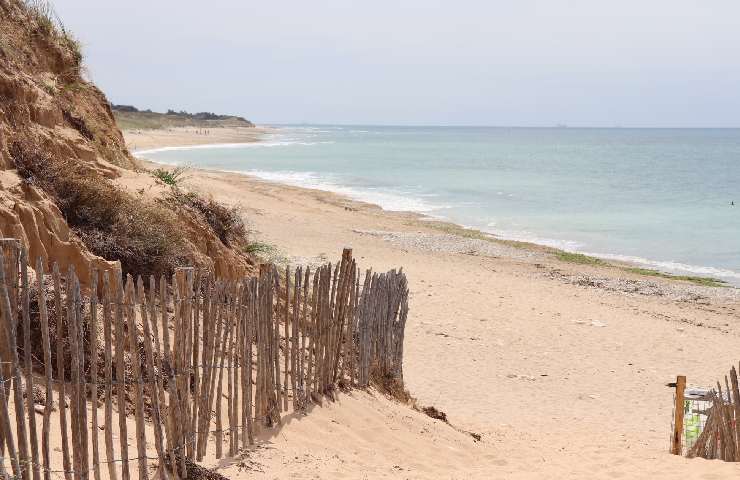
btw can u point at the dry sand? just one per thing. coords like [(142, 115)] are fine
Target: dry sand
[(561, 368)]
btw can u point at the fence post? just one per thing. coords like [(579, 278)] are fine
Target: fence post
[(678, 415)]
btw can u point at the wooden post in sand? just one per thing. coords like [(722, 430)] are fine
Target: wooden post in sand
[(121, 377), (287, 337), (107, 333), (33, 439), (678, 416), (43, 313), (9, 308)]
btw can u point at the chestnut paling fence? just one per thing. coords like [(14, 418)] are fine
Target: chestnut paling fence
[(706, 421), (200, 365)]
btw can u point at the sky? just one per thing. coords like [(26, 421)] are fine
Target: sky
[(599, 63)]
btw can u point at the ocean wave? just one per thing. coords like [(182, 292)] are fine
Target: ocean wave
[(212, 146), (577, 247), (386, 199), (529, 237), (670, 266)]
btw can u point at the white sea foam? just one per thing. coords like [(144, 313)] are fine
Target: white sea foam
[(211, 146), (529, 237), (670, 266), (386, 199), (577, 247)]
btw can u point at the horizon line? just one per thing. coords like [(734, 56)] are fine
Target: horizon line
[(550, 127)]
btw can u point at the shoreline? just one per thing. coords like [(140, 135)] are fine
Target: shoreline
[(563, 362), (236, 137)]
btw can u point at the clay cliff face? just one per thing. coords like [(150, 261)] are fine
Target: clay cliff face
[(47, 106)]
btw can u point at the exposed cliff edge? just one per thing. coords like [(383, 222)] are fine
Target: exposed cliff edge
[(59, 150)]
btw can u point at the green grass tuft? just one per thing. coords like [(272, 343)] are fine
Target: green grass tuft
[(578, 258), (169, 177), (703, 281), (43, 12), (44, 21), (259, 248)]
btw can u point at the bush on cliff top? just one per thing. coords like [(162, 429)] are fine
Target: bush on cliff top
[(226, 222)]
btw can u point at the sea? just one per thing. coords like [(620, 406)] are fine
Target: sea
[(657, 198)]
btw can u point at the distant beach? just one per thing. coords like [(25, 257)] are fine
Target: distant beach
[(153, 140)]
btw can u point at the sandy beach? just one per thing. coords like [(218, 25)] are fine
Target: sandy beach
[(188, 136), (560, 368)]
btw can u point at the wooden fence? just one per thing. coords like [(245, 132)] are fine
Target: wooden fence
[(200, 365), (706, 423)]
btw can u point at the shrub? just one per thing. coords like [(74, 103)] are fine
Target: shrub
[(226, 222), (113, 224), (258, 248), (169, 177)]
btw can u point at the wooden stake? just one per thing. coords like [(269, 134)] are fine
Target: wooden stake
[(6, 284), (94, 370), (678, 416), (7, 430), (276, 349), (84, 437), (196, 362), (74, 369), (121, 378), (153, 381), (294, 337), (108, 378), (45, 340), (133, 330), (287, 338), (33, 438), (304, 331), (249, 337), (244, 363), (229, 376), (219, 394)]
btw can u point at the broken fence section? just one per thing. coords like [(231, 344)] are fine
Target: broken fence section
[(706, 420)]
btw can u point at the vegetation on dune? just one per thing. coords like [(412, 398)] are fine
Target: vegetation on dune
[(169, 177), (142, 235), (48, 25), (61, 135), (259, 249), (226, 222)]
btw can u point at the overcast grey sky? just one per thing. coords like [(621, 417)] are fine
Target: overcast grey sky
[(462, 62)]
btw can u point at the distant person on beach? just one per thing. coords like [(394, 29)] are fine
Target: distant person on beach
[(732, 203)]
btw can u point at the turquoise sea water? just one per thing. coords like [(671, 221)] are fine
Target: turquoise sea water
[(657, 197)]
